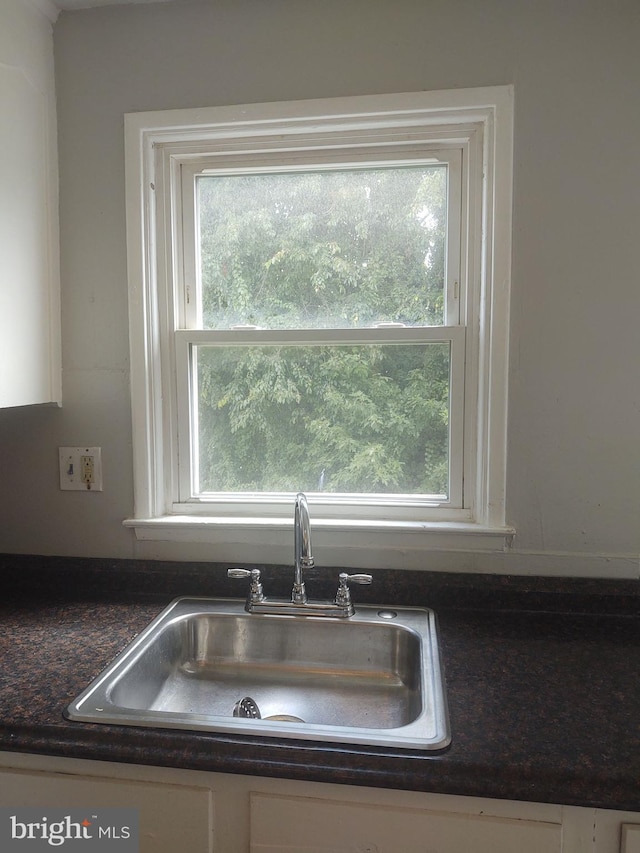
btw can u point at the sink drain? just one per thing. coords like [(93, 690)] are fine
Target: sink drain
[(247, 708)]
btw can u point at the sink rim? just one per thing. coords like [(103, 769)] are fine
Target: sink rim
[(430, 730)]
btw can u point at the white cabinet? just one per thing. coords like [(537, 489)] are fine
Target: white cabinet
[(335, 826), (617, 832), (630, 840), (29, 267), (171, 817), (199, 812)]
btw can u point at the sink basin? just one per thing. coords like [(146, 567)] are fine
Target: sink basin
[(374, 678)]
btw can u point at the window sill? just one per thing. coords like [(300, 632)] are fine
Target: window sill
[(344, 543)]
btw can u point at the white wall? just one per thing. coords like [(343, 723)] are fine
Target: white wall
[(574, 457)]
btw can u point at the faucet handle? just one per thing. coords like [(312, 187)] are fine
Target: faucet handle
[(343, 595), (346, 579), (255, 590), (241, 573)]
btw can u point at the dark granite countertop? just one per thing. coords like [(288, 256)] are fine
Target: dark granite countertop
[(542, 680)]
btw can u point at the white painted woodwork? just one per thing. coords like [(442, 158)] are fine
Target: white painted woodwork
[(202, 812), (159, 146), (29, 279), (630, 840), (171, 817), (332, 826)]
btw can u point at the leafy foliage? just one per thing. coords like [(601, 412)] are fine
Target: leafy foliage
[(313, 250), (323, 249)]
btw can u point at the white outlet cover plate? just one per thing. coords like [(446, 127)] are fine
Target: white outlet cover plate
[(71, 469)]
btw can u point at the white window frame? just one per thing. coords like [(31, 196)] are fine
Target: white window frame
[(160, 148), (187, 319)]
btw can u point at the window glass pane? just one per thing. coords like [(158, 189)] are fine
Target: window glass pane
[(340, 418), (325, 249)]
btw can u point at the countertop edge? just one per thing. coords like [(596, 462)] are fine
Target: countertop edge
[(328, 764)]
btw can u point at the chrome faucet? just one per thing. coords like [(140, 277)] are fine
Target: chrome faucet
[(302, 548), (298, 604)]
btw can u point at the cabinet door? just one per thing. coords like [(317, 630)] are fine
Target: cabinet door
[(29, 269), (172, 818), (630, 842), (305, 825)]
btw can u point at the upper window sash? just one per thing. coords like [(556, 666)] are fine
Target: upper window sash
[(188, 291)]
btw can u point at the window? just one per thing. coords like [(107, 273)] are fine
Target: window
[(319, 302), (353, 277)]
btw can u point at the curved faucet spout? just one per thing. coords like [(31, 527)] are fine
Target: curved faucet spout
[(302, 546), (298, 604)]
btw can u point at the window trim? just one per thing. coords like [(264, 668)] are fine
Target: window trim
[(155, 144)]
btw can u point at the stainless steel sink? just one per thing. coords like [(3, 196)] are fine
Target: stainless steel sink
[(374, 678)]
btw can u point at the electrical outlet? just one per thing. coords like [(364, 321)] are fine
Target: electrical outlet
[(87, 470), (80, 468)]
